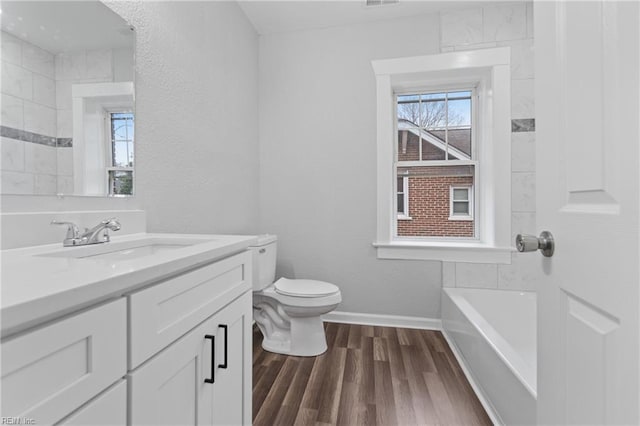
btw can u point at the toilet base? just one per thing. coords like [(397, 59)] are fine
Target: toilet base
[(296, 336)]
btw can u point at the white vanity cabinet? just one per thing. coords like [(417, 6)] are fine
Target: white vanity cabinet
[(167, 343), (203, 377)]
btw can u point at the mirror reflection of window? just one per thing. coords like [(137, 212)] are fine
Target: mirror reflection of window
[(120, 167), (61, 82)]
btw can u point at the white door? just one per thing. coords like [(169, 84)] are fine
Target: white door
[(587, 135)]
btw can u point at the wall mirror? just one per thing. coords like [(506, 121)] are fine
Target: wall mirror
[(67, 99)]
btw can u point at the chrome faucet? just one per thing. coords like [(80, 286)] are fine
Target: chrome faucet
[(96, 235)]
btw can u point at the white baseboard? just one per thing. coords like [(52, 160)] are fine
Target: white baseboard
[(486, 404), (383, 320)]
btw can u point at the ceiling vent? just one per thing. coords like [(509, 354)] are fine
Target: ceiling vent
[(381, 2)]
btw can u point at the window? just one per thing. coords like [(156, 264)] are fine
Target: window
[(402, 186), (435, 151), (444, 157), (461, 203), (120, 158)]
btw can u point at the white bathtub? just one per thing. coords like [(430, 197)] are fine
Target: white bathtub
[(494, 332)]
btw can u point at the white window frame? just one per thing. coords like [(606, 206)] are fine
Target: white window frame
[(405, 190), (469, 200), (489, 71)]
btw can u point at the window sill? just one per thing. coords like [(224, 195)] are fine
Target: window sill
[(449, 251), (461, 218), (403, 217)]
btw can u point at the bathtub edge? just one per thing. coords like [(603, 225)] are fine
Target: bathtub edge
[(477, 389)]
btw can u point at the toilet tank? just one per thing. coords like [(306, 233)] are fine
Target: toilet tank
[(264, 261)]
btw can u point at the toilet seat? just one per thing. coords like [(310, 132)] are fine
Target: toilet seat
[(304, 288), (297, 301)]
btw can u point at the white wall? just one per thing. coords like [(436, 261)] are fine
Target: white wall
[(318, 162), (196, 121), (318, 156), (196, 115)]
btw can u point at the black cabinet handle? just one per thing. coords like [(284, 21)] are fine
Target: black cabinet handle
[(213, 357), (226, 352)]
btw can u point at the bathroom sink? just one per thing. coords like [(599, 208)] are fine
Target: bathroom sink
[(46, 281), (125, 250)]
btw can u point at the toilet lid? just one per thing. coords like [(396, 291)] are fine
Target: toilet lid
[(304, 288)]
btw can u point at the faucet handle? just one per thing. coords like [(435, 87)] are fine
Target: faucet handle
[(72, 229)]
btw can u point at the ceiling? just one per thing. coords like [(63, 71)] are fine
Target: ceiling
[(279, 16), (65, 26)]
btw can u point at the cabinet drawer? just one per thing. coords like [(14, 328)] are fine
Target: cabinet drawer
[(108, 409), (162, 313), (49, 372)]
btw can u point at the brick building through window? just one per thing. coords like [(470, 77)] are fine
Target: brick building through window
[(435, 168)]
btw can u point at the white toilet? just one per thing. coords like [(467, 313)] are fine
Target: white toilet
[(288, 311)]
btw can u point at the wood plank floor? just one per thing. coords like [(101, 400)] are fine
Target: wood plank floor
[(368, 376)]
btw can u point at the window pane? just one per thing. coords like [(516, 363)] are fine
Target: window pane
[(433, 145), (120, 182), (459, 144), (461, 207), (433, 114), (409, 109), (429, 193), (120, 154), (401, 203), (460, 194), (120, 131), (459, 129), (459, 113), (408, 142)]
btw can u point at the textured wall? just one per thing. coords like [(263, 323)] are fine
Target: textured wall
[(196, 115)]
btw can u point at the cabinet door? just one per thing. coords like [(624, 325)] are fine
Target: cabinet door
[(50, 372), (171, 388), (232, 389)]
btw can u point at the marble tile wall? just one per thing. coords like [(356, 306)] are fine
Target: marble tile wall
[(37, 113), (508, 24), (28, 118)]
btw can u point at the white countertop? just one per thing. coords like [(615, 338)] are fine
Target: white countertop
[(37, 288)]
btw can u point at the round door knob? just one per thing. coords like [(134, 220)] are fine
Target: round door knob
[(544, 243)]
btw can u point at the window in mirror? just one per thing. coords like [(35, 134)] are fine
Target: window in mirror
[(120, 167), (120, 182)]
